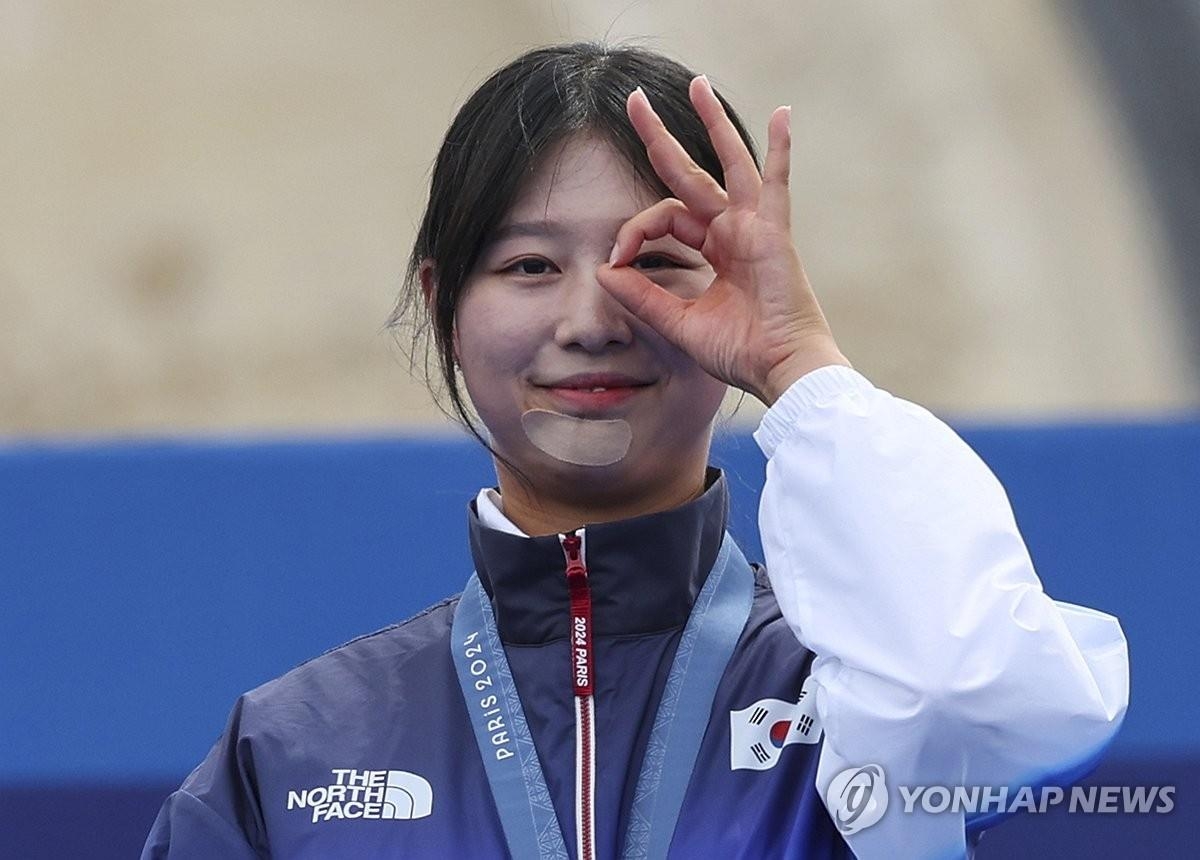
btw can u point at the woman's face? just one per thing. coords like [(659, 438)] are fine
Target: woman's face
[(533, 320)]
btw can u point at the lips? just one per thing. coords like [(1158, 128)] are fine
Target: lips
[(588, 381), (594, 393)]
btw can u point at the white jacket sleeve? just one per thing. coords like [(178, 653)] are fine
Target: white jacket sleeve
[(896, 559)]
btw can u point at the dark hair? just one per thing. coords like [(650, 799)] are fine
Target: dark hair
[(497, 142)]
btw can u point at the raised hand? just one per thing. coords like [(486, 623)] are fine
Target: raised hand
[(758, 325)]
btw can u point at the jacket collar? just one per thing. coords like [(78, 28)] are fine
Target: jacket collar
[(644, 572)]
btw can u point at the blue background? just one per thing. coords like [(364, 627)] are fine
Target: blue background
[(147, 584)]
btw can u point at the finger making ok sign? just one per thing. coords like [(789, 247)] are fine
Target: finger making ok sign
[(758, 326)]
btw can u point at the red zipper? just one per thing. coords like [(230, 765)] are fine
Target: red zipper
[(586, 849), (580, 594), (583, 684)]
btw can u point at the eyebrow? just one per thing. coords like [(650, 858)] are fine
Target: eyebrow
[(540, 229), (512, 229)]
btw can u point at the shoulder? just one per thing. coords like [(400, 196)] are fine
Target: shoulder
[(767, 632), (765, 606), (373, 666), (360, 705)]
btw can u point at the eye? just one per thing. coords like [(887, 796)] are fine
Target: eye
[(530, 267), (654, 261)]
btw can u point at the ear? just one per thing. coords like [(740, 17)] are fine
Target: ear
[(428, 275), (428, 282)]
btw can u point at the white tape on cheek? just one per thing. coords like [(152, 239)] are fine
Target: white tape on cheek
[(579, 441)]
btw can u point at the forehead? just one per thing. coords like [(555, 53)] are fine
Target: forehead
[(583, 177)]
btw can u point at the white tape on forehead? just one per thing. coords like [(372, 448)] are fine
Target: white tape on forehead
[(579, 441)]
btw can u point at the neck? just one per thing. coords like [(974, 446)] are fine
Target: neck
[(565, 505)]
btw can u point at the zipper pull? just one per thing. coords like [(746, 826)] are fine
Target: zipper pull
[(580, 593), (572, 545)]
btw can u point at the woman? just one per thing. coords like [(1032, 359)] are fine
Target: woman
[(601, 257)]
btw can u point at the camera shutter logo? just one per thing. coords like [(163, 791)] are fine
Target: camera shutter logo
[(857, 798)]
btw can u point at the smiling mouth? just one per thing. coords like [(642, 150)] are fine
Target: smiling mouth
[(594, 397)]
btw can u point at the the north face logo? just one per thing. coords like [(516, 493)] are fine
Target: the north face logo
[(374, 794), (758, 734)]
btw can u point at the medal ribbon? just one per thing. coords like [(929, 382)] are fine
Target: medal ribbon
[(506, 746)]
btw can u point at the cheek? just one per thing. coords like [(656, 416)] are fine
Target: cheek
[(689, 283), (480, 334), (495, 352), (697, 396), (709, 394)]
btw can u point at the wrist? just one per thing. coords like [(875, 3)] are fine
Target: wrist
[(783, 375)]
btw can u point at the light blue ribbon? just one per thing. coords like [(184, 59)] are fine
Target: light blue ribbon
[(510, 759)]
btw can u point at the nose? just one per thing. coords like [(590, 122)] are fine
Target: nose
[(589, 318)]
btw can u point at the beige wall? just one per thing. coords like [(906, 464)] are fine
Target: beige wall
[(206, 208)]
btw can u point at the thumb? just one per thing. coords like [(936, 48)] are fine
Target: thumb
[(646, 300)]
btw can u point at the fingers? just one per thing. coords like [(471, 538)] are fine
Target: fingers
[(702, 194), (744, 185), (774, 202), (742, 180), (658, 308), (666, 217)]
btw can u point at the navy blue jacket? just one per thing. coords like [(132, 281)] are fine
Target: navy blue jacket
[(390, 701)]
